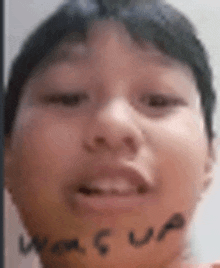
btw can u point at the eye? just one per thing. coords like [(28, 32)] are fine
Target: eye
[(70, 100), (159, 101)]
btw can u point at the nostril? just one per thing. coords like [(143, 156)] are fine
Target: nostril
[(100, 140), (95, 144), (141, 189), (128, 141)]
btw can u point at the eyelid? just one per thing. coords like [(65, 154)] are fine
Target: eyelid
[(170, 103), (66, 99), (167, 97)]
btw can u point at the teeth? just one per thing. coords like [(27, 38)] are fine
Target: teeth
[(116, 185), (108, 186)]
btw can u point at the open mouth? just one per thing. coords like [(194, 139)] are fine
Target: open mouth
[(87, 200), (111, 191)]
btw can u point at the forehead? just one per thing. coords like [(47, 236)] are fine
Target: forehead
[(106, 37)]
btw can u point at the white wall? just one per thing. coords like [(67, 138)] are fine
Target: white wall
[(22, 16)]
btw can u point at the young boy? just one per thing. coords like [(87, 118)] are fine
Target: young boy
[(109, 141)]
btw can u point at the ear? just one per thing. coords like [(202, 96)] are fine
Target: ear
[(8, 163), (209, 169)]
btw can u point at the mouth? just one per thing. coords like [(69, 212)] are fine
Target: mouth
[(112, 181), (109, 188)]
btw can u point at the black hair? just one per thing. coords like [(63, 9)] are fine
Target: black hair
[(150, 20)]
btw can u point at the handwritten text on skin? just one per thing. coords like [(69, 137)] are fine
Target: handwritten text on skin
[(175, 222)]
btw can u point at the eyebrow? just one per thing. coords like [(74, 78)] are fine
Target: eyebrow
[(72, 48), (62, 53), (74, 52), (160, 56), (70, 51)]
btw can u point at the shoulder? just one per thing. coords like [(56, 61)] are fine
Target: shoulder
[(213, 265), (210, 265), (216, 264)]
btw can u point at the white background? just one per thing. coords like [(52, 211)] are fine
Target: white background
[(21, 17)]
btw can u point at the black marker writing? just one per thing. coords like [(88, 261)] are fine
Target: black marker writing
[(102, 248), (142, 242), (67, 245), (176, 222), (35, 243), (38, 244), (24, 250)]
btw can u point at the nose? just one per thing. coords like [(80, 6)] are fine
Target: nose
[(114, 128)]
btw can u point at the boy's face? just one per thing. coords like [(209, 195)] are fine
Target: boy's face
[(109, 155)]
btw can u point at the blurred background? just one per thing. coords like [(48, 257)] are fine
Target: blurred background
[(21, 17)]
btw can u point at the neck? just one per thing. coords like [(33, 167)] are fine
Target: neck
[(185, 260)]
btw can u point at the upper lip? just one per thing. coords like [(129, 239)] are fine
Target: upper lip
[(133, 176)]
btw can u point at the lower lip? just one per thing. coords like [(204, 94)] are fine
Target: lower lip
[(96, 204)]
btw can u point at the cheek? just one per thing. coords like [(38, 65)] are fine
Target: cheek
[(42, 134), (182, 150), (45, 151)]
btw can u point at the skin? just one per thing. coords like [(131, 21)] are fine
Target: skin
[(52, 144)]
